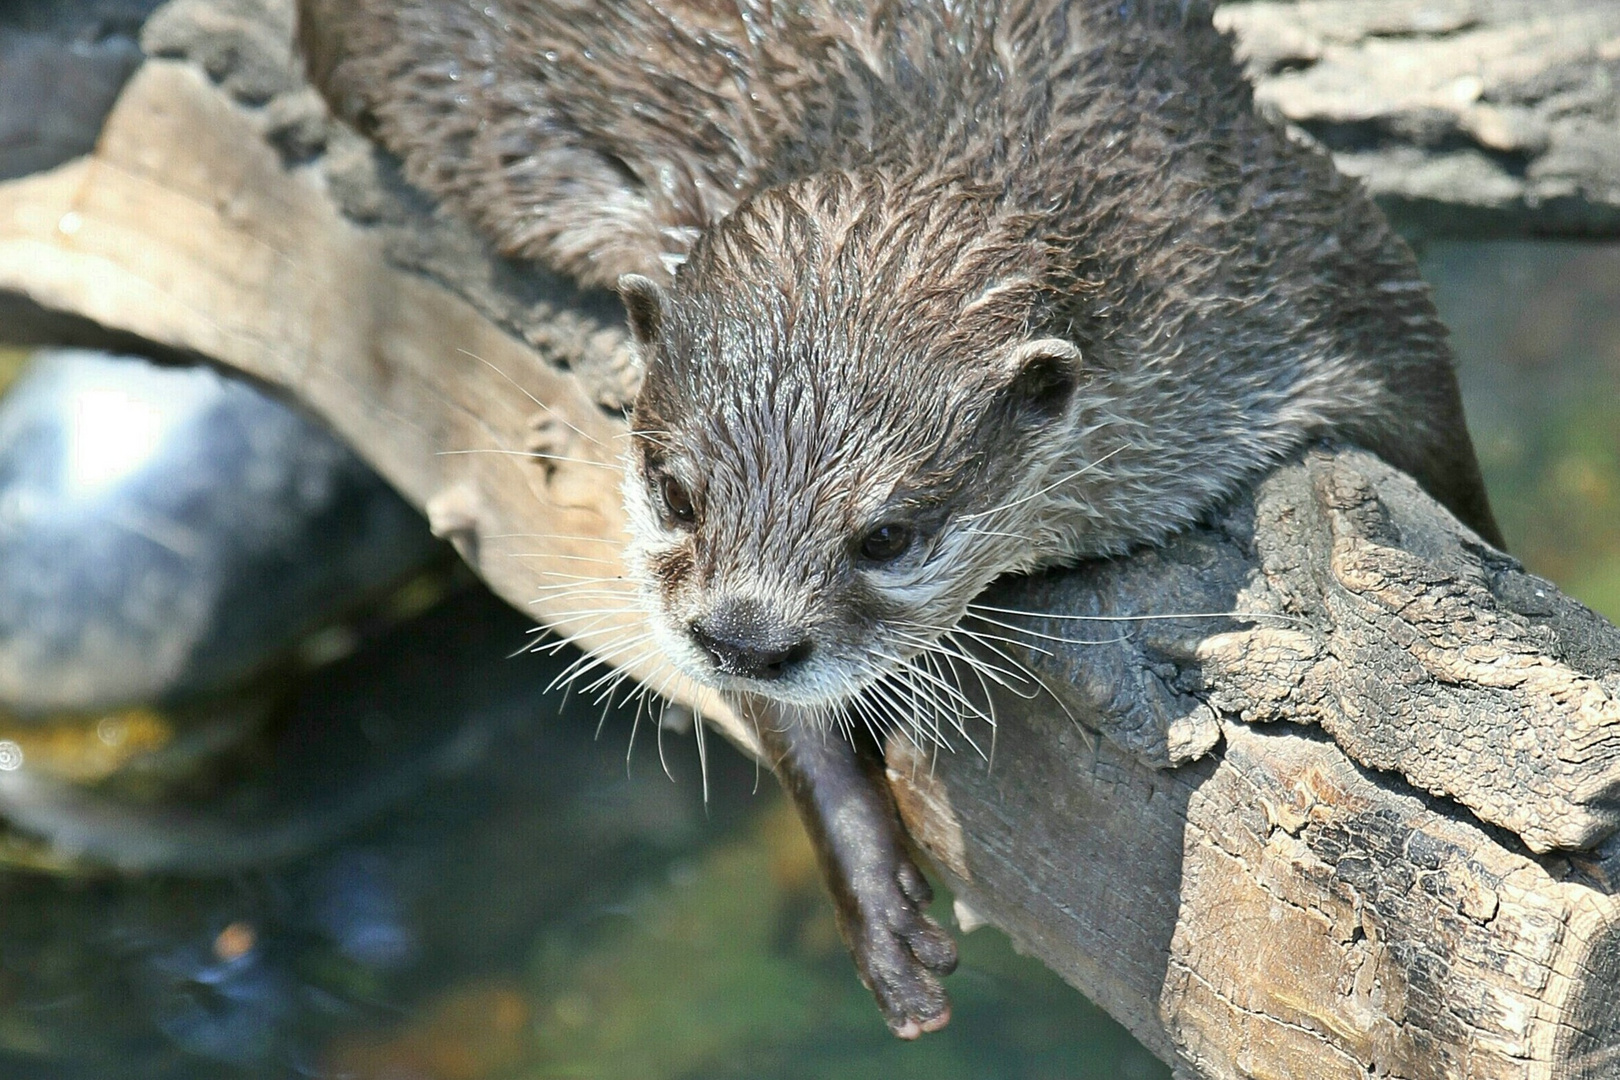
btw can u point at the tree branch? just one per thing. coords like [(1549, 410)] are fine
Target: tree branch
[(1465, 117)]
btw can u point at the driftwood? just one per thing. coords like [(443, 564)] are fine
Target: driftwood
[(1363, 828), (1464, 117)]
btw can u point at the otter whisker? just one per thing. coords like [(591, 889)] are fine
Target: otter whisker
[(1024, 673), (559, 555), (531, 454), (1013, 682), (889, 717), (936, 681), (548, 593), (597, 618), (938, 659), (643, 706), (583, 594), (549, 641), (959, 713), (1238, 615), (1041, 685), (996, 532), (977, 617), (643, 433), (614, 649), (703, 754), (940, 694), (630, 747), (554, 536), (962, 713), (606, 599), (590, 661), (614, 680), (663, 760), (984, 687), (935, 713), (872, 700), (1059, 482), (579, 613), (552, 593), (617, 672), (577, 641), (1021, 675), (612, 585), (620, 671), (583, 666), (985, 637), (883, 697), (524, 391), (596, 578), (635, 717), (601, 719), (922, 709), (907, 720), (641, 695)]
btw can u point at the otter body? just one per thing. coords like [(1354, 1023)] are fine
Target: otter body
[(924, 292)]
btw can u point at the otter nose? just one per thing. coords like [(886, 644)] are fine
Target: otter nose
[(742, 640)]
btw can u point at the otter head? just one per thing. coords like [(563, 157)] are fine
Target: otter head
[(835, 422)]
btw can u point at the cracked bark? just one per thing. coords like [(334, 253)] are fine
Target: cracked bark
[(1465, 117), (1365, 828)]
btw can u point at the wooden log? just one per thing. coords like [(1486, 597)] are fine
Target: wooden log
[(1319, 840), (1464, 117), (1289, 910)]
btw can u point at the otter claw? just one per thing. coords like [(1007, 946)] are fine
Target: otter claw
[(878, 891), (901, 954)]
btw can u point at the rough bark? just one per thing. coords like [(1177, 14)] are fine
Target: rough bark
[(1363, 827), (1465, 117), (1297, 905)]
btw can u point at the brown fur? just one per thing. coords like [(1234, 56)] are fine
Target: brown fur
[(872, 206)]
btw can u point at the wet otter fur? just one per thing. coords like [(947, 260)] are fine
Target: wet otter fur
[(924, 292)]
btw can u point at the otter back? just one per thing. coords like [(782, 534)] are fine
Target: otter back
[(1193, 239)]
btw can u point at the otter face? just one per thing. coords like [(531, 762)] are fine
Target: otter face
[(810, 508)]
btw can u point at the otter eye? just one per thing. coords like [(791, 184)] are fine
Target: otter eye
[(886, 542), (677, 500)]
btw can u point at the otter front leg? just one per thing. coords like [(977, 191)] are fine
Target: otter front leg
[(878, 892)]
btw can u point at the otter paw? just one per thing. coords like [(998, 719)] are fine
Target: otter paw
[(901, 954)]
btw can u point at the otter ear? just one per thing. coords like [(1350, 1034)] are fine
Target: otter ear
[(1042, 377), (644, 303)]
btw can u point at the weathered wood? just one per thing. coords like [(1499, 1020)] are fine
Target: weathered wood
[(1280, 900), (1420, 649), (1289, 911), (1465, 117)]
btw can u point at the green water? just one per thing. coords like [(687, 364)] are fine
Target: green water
[(1537, 332)]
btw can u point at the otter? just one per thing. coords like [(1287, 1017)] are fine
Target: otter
[(923, 293)]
